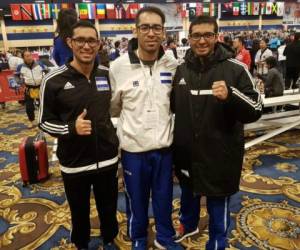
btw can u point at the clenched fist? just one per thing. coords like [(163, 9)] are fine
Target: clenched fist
[(83, 127), (220, 90)]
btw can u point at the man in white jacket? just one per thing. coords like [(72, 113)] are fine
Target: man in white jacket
[(261, 57), (141, 85)]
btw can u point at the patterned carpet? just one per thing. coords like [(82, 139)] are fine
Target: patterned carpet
[(265, 214)]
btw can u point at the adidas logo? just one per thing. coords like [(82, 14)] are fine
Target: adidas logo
[(69, 85), (182, 82)]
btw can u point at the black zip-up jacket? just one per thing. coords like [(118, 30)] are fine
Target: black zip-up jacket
[(65, 93), (208, 135), (292, 53)]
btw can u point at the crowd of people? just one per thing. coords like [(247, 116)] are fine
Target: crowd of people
[(204, 81)]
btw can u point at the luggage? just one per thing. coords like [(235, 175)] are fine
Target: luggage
[(33, 159)]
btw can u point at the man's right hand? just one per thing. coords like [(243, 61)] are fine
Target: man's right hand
[(83, 127)]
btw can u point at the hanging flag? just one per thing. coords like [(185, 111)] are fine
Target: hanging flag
[(37, 11), (205, 9), (184, 10), (199, 9), (55, 8), (16, 12), (91, 11), (192, 11), (83, 10), (280, 8), (134, 8), (236, 9), (274, 8), (26, 11), (250, 8), (127, 12), (255, 9), (46, 11), (100, 13), (243, 8), (110, 11), (120, 11), (269, 6), (228, 6), (263, 8), (66, 6), (213, 10)]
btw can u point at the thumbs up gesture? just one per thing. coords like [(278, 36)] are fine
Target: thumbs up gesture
[(83, 127)]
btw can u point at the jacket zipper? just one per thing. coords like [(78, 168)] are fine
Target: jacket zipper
[(94, 128)]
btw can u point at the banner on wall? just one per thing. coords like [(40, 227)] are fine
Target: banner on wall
[(291, 14), (173, 19), (10, 90)]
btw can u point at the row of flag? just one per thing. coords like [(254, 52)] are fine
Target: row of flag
[(128, 11), (109, 11), (36, 11), (197, 9), (256, 8), (235, 8), (84, 10)]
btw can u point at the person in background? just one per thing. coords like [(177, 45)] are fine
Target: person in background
[(213, 96), (141, 85), (273, 81), (282, 58), (171, 48), (253, 52), (228, 41), (262, 54), (292, 53), (103, 56), (61, 52), (242, 54), (75, 104), (117, 49), (31, 74), (15, 60), (181, 50), (274, 43)]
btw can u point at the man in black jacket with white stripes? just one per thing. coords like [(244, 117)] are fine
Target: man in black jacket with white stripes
[(75, 104), (213, 96)]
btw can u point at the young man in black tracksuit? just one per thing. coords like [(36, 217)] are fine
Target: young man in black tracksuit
[(213, 96), (75, 104)]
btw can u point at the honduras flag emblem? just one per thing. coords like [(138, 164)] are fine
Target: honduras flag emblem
[(102, 83), (165, 77)]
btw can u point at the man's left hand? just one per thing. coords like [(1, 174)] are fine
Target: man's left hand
[(220, 90)]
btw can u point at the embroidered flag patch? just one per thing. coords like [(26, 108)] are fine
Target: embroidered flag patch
[(135, 83), (165, 77), (101, 83)]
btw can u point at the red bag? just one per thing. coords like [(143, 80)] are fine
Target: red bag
[(33, 159)]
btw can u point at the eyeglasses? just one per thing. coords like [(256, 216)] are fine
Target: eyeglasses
[(207, 36), (156, 28), (80, 42)]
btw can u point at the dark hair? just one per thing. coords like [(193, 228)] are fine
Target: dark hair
[(169, 41), (272, 61), (297, 36), (24, 51), (150, 9), (241, 39), (266, 40), (184, 41), (84, 24), (66, 19), (227, 40), (117, 44), (204, 19)]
